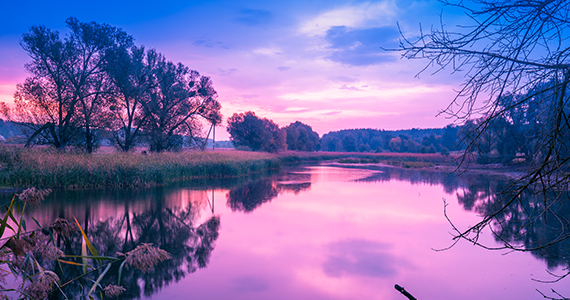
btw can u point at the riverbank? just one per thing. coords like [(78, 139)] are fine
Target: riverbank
[(46, 168)]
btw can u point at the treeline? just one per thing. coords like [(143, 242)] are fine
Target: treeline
[(250, 132), (95, 80), (526, 128), (435, 140)]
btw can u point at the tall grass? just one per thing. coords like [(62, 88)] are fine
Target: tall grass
[(20, 167)]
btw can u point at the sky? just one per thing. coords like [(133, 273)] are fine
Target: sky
[(320, 62)]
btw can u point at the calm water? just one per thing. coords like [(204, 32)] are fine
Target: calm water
[(316, 232)]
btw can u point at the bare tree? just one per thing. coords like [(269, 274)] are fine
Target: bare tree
[(519, 51)]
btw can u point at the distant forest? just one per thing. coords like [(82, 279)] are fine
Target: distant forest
[(432, 140)]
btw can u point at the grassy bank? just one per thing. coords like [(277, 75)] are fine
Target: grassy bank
[(21, 167), (45, 168)]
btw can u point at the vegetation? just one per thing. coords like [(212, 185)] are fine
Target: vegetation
[(64, 260), (301, 137), (95, 80), (49, 168), (401, 141), (251, 132), (23, 167), (516, 59)]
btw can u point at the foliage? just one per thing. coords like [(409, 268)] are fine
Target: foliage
[(47, 168), (62, 102), (95, 79), (247, 129), (372, 140), (33, 258), (178, 97), (301, 137)]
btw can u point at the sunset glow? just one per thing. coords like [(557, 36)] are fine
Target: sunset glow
[(320, 63)]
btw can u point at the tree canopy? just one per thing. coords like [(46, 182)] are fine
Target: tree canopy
[(94, 79), (250, 131), (301, 137)]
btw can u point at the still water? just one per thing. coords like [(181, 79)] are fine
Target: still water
[(316, 232)]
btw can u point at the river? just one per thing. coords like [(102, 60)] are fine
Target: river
[(312, 232)]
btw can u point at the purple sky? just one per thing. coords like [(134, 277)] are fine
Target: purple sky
[(318, 62)]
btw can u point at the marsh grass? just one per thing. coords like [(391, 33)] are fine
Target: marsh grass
[(32, 258), (403, 160), (20, 167)]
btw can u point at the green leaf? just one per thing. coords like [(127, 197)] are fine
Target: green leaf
[(37, 223), (89, 245), (120, 272), (99, 280), (5, 219), (69, 262), (92, 257)]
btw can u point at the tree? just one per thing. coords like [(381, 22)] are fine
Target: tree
[(302, 137), (349, 143), (515, 57), (130, 70), (178, 99), (61, 103), (247, 129)]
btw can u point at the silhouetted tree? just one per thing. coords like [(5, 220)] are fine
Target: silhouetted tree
[(130, 70), (302, 137), (246, 129), (61, 103), (178, 99), (349, 143)]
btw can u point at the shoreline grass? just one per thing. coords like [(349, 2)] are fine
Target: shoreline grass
[(46, 168)]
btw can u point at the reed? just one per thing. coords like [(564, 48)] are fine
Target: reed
[(21, 167)]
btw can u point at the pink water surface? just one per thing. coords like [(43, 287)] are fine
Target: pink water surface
[(344, 239)]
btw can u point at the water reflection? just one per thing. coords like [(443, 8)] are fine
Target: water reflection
[(168, 219), (348, 232), (253, 194), (360, 257), (532, 223)]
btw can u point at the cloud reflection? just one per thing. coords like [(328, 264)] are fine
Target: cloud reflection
[(360, 257), (250, 284)]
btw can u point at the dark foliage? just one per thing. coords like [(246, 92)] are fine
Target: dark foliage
[(248, 130), (301, 137)]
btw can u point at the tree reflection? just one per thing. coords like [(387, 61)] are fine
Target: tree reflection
[(172, 229), (529, 223), (253, 194)]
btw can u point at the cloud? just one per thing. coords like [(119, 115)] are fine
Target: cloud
[(268, 51), (209, 43), (251, 96), (344, 79), (254, 17), (360, 257), (332, 113), (351, 88), (361, 47), (383, 94), (357, 16), (226, 72), (283, 68), (250, 284)]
